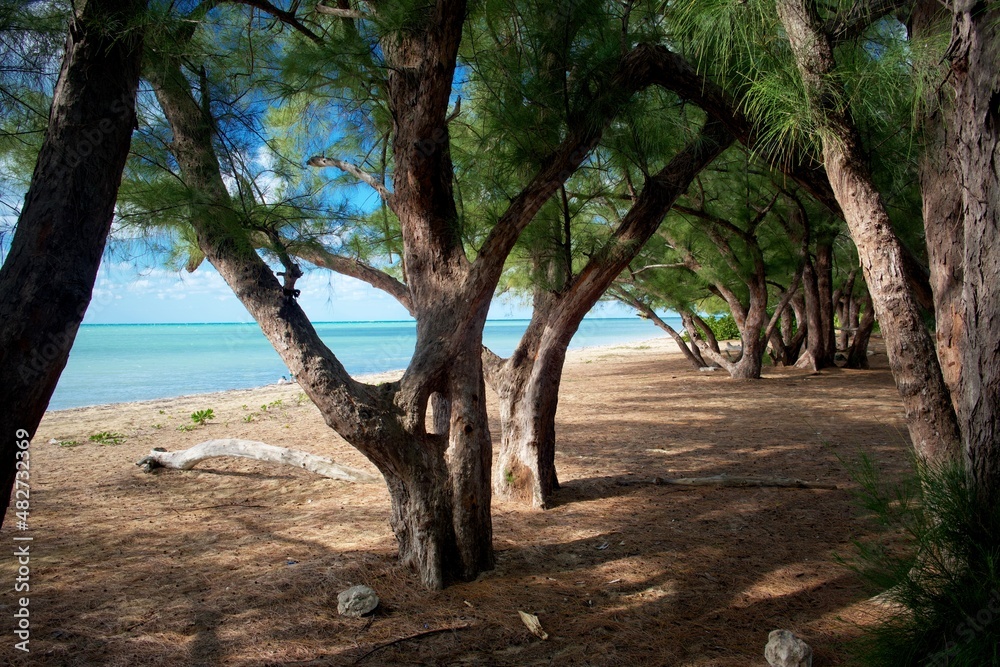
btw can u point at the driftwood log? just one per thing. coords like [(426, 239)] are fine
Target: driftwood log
[(186, 459), (727, 480)]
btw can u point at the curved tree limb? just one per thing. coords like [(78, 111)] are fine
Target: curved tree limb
[(353, 170)]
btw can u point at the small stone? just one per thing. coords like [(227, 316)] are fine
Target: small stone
[(784, 649), (356, 601)]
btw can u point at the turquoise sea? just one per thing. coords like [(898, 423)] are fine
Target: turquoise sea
[(116, 363)]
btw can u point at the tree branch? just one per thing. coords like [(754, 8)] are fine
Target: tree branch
[(353, 170), (354, 268), (286, 17), (340, 12), (850, 24)]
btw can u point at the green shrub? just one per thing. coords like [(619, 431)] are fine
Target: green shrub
[(938, 559), (201, 417), (107, 438), (723, 326)]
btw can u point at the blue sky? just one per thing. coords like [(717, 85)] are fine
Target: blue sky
[(124, 294)]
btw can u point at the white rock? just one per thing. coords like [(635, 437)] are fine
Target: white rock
[(356, 601), (784, 649)]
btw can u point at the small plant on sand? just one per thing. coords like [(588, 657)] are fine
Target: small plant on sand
[(250, 417), (187, 427), (937, 563), (201, 417), (69, 443), (107, 438)]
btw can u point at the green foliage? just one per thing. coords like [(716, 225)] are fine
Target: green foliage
[(723, 326), (69, 444), (938, 558), (107, 438), (201, 417)]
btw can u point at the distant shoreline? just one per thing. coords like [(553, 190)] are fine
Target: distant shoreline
[(580, 355)]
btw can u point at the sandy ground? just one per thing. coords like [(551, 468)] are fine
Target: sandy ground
[(239, 563)]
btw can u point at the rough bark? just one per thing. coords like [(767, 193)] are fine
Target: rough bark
[(975, 70), (47, 280), (912, 357), (186, 459), (857, 355), (942, 208), (528, 383)]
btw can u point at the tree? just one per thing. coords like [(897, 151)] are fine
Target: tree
[(975, 60), (911, 352), (439, 482), (47, 279)]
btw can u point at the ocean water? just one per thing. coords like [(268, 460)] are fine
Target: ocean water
[(116, 363)]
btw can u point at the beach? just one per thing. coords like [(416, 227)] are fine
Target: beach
[(239, 562)]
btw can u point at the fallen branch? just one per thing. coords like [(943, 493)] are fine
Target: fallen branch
[(726, 480), (409, 637), (186, 459)]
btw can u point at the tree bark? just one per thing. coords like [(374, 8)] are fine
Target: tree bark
[(47, 280), (975, 63), (942, 208), (912, 357)]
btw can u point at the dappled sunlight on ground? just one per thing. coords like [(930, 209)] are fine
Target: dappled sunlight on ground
[(239, 562)]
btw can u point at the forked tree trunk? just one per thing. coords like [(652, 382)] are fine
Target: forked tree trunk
[(912, 357), (438, 483), (528, 382), (48, 277)]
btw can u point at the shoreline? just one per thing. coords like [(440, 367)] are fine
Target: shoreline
[(657, 345)]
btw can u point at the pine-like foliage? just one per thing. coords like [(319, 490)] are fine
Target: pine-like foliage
[(937, 565)]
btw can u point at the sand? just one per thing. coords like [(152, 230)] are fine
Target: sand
[(239, 562)]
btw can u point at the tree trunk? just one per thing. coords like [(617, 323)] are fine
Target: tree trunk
[(811, 358), (941, 196), (47, 281), (857, 355), (912, 357), (528, 388), (975, 61), (824, 287)]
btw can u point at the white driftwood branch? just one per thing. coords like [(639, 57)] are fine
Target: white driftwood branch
[(353, 170), (726, 480), (186, 459)]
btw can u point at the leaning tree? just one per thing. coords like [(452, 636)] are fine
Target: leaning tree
[(47, 279)]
